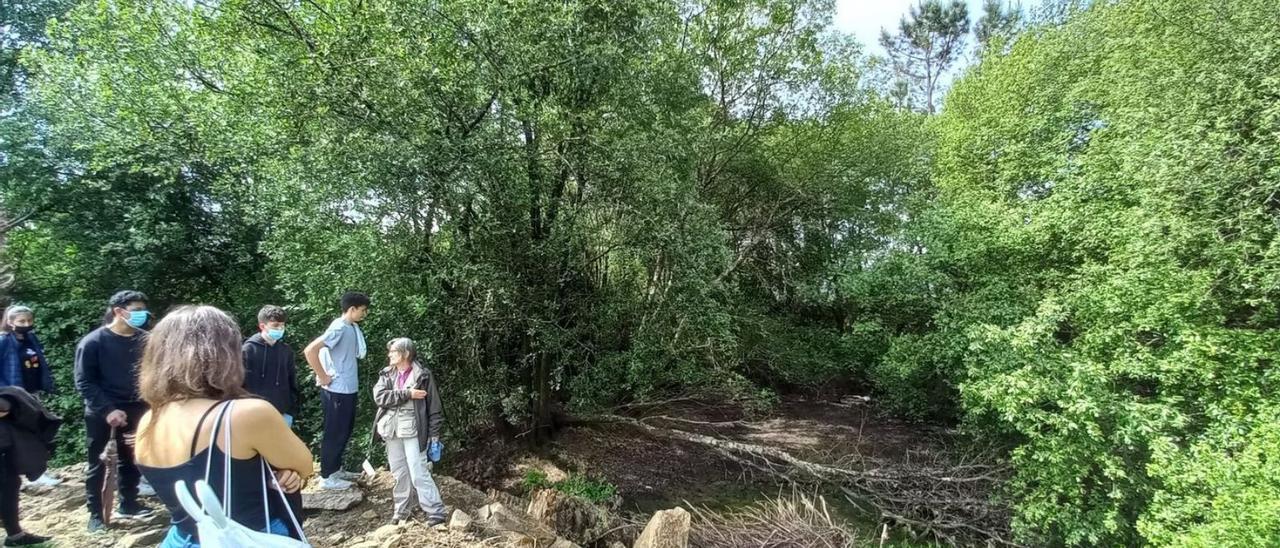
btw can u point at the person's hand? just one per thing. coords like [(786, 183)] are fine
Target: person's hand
[(117, 418), (324, 379), (417, 394), (289, 480)]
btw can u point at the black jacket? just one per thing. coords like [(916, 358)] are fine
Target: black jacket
[(270, 372), (29, 430), (107, 370)]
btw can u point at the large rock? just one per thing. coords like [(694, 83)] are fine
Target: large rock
[(498, 520), (337, 501), (506, 499), (145, 538), (387, 531), (577, 519), (458, 494), (667, 529), (460, 521)]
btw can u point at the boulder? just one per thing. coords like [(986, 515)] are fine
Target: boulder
[(497, 519), (460, 521), (507, 499), (575, 518), (667, 529), (386, 532), (458, 494), (337, 501)]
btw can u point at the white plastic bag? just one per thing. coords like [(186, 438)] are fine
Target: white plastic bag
[(218, 531)]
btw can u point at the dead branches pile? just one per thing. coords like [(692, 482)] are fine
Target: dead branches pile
[(796, 521), (934, 494)]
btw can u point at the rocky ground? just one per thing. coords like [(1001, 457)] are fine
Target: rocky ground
[(60, 512), (651, 473), (359, 518)]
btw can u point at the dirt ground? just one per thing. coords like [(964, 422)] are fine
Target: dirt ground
[(653, 473), (60, 512), (650, 473)]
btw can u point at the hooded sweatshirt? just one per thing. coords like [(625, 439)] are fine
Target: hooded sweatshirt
[(270, 372)]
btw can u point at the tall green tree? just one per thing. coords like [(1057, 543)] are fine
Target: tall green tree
[(998, 22), (567, 203), (927, 44), (1106, 245)]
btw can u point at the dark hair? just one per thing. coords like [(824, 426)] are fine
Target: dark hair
[(122, 299), (272, 313), (353, 298)]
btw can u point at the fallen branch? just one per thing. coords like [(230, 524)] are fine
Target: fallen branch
[(951, 503)]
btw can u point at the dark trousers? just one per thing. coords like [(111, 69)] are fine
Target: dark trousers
[(99, 432), (9, 484), (339, 422)]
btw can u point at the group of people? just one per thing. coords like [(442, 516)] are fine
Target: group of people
[(191, 392)]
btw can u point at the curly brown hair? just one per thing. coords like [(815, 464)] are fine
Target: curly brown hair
[(194, 352)]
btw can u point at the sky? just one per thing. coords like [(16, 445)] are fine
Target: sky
[(864, 18)]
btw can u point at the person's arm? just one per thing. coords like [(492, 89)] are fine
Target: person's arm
[(312, 354), (9, 352), (88, 374), (386, 396), (294, 404), (263, 428), (435, 410), (248, 365)]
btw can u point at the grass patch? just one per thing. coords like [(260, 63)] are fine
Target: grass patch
[(592, 489)]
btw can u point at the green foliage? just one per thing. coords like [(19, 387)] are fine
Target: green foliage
[(576, 205), (535, 479), (928, 42), (568, 205), (586, 487), (1106, 228)]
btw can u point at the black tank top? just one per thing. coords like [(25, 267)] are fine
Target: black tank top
[(246, 500)]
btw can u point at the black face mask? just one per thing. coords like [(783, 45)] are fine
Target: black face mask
[(23, 329)]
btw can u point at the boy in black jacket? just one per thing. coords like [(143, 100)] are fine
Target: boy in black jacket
[(107, 378), (269, 369)]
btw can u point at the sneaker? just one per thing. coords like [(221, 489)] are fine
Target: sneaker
[(345, 475), (145, 489), (134, 509), (25, 539), (95, 524), (434, 521), (399, 520), (332, 483), (47, 480)]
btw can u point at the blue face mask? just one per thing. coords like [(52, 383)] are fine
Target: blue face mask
[(138, 318), (275, 334)]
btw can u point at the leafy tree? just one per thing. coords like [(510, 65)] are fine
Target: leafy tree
[(998, 22), (1103, 230), (929, 41)]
